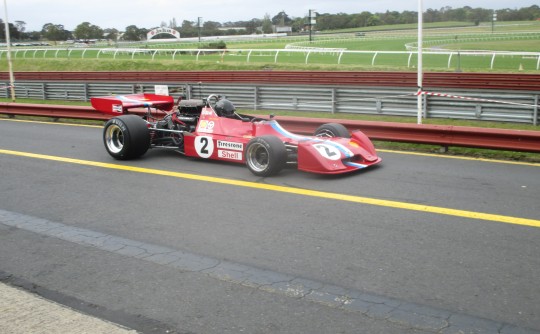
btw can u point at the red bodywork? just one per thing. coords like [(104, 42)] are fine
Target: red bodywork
[(119, 104), (223, 138)]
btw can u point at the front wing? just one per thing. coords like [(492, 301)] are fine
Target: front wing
[(337, 155)]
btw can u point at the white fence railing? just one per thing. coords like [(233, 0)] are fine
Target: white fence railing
[(442, 44), (292, 55)]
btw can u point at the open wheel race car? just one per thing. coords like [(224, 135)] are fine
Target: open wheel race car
[(212, 129)]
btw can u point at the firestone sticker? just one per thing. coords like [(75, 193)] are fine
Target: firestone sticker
[(228, 145)]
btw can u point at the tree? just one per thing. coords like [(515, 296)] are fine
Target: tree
[(13, 32), (55, 32), (360, 20), (86, 31), (20, 25), (282, 19), (390, 17), (209, 28), (267, 25), (252, 26), (373, 20), (298, 24), (431, 15), (111, 34), (33, 35), (188, 29), (133, 33), (341, 21), (211, 25)]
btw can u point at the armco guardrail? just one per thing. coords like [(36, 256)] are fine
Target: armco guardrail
[(53, 111), (502, 139), (483, 105), (512, 97), (444, 135)]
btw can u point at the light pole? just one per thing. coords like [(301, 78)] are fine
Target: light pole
[(420, 62), (493, 22), (312, 21), (10, 64)]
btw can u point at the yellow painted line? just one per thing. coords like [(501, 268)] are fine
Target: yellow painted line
[(290, 190), (434, 155)]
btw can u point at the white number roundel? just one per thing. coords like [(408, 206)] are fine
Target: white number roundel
[(328, 151), (204, 146)]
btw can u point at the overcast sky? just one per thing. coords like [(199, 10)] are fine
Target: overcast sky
[(150, 13)]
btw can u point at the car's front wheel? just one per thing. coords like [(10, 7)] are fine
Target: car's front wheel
[(126, 137), (266, 155), (329, 130)]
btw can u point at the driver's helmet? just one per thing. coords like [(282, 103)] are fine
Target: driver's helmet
[(224, 107)]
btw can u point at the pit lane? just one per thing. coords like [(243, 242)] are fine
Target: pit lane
[(423, 257)]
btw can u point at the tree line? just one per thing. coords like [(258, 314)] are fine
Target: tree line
[(324, 21), (445, 14)]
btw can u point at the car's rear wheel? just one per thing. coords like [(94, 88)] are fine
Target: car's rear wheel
[(126, 137), (266, 155), (329, 130)]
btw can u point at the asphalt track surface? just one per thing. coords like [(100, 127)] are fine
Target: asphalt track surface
[(419, 244)]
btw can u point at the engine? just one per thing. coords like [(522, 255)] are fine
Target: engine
[(169, 131)]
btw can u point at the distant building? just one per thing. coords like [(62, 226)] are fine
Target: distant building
[(282, 29)]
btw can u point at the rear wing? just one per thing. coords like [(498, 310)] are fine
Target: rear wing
[(119, 104)]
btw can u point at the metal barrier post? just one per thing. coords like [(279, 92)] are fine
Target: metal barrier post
[(86, 97), (334, 101), (424, 105), (255, 97), (535, 112)]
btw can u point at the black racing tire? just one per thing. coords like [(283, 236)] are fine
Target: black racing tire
[(332, 130), (266, 155), (126, 137)]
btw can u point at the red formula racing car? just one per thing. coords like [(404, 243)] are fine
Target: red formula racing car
[(212, 129)]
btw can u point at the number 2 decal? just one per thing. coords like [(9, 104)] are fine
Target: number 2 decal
[(328, 151), (204, 146)]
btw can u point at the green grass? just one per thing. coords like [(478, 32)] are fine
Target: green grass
[(515, 42), (36, 65), (388, 38), (286, 61), (517, 46)]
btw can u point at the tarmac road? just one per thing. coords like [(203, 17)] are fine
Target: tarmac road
[(419, 244)]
